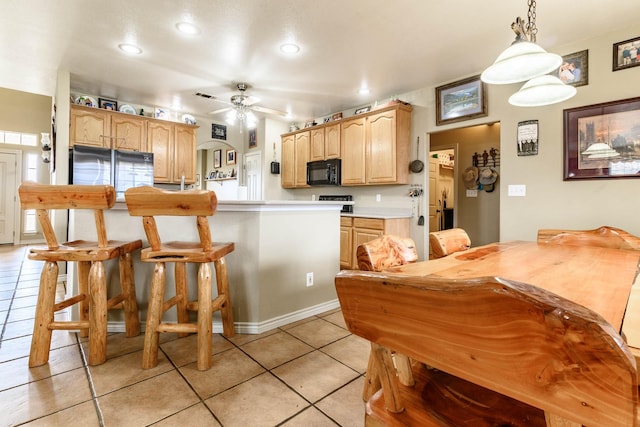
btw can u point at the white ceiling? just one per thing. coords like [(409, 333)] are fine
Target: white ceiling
[(392, 46)]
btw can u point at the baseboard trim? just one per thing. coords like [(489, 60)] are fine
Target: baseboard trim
[(257, 327)]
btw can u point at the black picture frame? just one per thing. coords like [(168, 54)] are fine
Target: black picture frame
[(231, 157), (599, 142), (623, 54), (218, 132), (461, 100), (362, 110), (574, 70), (108, 104)]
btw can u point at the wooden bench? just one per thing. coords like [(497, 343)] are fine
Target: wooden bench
[(491, 352)]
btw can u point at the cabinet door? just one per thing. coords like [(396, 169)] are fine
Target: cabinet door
[(185, 154), (317, 145), (287, 177), (160, 143), (346, 248), (89, 127), (381, 161), (128, 132), (332, 141), (352, 146), (301, 158)]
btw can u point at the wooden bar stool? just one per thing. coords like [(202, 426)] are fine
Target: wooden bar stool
[(446, 242), (90, 256), (148, 202)]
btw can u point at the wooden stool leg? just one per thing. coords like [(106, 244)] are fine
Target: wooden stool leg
[(97, 314), (41, 339), (154, 316), (83, 289), (128, 288), (372, 379), (181, 291), (205, 317), (403, 365), (222, 281)]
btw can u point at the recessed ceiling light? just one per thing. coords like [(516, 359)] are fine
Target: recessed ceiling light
[(187, 28), (364, 91), (289, 48), (130, 48)]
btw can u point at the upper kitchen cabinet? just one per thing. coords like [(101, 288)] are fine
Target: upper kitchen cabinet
[(295, 155), (89, 126), (174, 151), (109, 129), (128, 132), (325, 142), (375, 147)]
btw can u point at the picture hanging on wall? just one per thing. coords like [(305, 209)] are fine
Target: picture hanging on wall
[(462, 100), (217, 159), (626, 54), (253, 138), (528, 138), (574, 70), (218, 131)]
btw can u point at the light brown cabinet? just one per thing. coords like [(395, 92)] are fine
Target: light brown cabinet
[(355, 231), (375, 147), (295, 155), (174, 151), (325, 142), (108, 129)]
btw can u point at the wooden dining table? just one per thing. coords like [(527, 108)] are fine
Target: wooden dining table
[(600, 279)]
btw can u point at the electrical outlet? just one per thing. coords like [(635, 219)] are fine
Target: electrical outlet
[(309, 279), (378, 197)]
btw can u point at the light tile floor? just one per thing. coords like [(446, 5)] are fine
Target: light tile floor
[(309, 373)]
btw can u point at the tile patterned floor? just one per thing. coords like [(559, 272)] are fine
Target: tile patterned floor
[(309, 373)]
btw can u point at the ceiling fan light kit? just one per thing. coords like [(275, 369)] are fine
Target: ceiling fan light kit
[(242, 108), (523, 61)]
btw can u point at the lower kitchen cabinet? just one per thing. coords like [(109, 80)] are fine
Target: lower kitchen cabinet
[(355, 231)]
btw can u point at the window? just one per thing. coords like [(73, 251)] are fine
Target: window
[(18, 138), (31, 174)]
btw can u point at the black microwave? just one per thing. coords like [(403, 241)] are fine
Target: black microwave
[(324, 172)]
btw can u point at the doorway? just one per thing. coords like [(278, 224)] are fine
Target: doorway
[(253, 175), (9, 212), (477, 211), (441, 189)]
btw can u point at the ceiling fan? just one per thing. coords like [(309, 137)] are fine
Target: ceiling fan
[(242, 107)]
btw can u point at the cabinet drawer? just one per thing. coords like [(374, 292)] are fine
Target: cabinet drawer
[(372, 223), (346, 221)]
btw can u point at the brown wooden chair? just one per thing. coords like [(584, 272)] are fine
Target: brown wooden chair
[(493, 352), (377, 255), (446, 242), (90, 257), (149, 202), (605, 237)]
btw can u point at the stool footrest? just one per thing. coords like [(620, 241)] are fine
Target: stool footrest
[(215, 304), (69, 302), (178, 327), (67, 326), (116, 301)]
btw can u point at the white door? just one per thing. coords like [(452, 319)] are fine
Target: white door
[(253, 171), (8, 163)]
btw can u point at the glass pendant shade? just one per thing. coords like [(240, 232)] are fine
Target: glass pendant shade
[(520, 62), (543, 90)]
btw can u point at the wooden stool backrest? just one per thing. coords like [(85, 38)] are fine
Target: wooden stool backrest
[(43, 197), (446, 242), (148, 202), (513, 338), (605, 237), (386, 251)]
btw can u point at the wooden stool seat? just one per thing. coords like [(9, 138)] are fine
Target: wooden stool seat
[(90, 257), (446, 242), (149, 202)]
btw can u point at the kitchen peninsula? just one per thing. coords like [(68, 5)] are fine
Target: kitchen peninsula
[(276, 244)]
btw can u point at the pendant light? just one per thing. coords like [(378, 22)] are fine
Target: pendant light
[(525, 60)]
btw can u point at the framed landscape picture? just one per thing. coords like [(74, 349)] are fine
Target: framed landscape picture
[(600, 141), (462, 100), (108, 104)]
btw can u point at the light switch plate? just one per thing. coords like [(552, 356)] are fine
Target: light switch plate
[(517, 190), (472, 193)]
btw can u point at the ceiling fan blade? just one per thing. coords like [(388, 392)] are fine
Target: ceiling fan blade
[(222, 110), (269, 110), (250, 100)]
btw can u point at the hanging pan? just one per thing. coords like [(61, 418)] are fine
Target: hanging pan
[(416, 165)]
